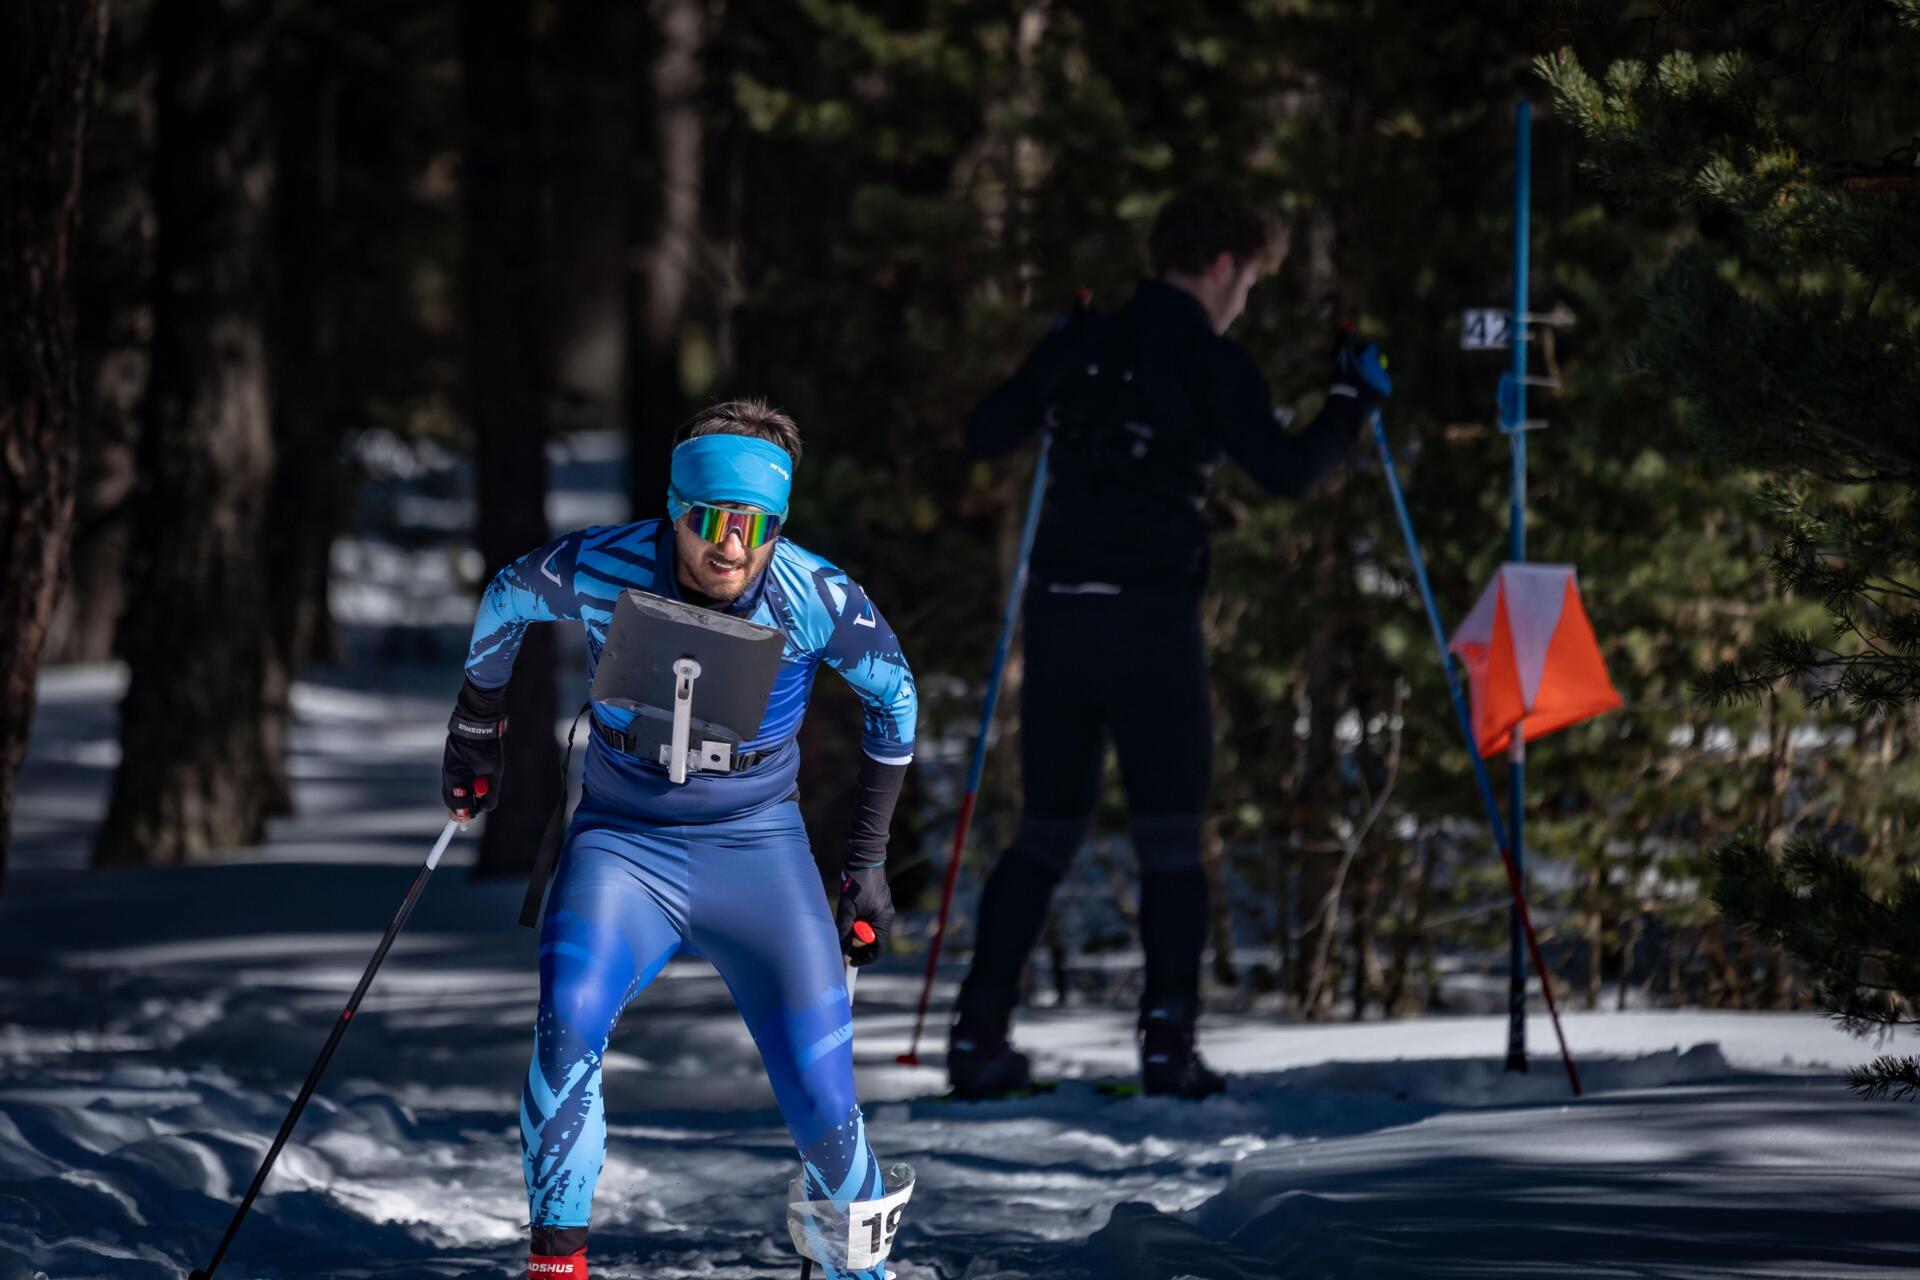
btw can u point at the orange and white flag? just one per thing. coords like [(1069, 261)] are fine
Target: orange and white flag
[(1531, 657)]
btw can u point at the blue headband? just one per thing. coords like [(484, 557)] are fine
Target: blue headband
[(727, 468)]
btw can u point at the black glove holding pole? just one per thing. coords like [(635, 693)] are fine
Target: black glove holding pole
[(865, 898), (471, 765)]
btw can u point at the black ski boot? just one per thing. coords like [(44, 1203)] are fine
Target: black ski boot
[(980, 1062), (1169, 1064)]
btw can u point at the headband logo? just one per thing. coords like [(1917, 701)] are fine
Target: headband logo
[(782, 470)]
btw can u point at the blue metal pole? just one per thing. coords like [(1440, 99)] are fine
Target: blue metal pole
[(1016, 589), (1517, 552), (1460, 711), (1464, 718)]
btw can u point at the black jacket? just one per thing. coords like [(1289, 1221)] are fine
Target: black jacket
[(1128, 478)]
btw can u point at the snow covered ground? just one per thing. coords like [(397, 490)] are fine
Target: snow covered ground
[(155, 1022)]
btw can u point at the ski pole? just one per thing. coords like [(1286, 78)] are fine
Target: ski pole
[(1015, 589), (1465, 720), (326, 1052), (864, 935)]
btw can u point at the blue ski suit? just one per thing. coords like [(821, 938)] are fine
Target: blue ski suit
[(717, 867)]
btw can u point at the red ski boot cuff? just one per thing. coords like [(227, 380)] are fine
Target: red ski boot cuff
[(544, 1267)]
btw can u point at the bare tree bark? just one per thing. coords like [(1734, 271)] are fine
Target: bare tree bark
[(87, 615), (49, 51), (310, 488), (111, 284), (505, 357), (1596, 935), (1629, 944), (1219, 908), (1369, 978), (1058, 958), (193, 776), (1318, 793), (668, 210), (1411, 930), (590, 273)]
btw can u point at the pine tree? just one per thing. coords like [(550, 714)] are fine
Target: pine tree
[(52, 51), (924, 194), (193, 775), (1788, 324)]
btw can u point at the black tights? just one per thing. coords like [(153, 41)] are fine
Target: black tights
[(1131, 668)]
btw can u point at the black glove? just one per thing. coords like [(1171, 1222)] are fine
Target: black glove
[(1358, 369), (865, 898), (471, 765)]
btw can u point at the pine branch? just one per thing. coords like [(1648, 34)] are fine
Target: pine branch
[(1886, 1077)]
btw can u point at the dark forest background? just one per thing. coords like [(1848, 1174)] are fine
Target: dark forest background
[(242, 235)]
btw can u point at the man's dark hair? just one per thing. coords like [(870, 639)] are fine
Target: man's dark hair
[(1200, 224), (754, 418)]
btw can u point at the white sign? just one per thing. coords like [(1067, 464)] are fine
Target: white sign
[(1483, 329)]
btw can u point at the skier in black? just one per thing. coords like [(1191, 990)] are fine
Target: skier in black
[(1141, 405)]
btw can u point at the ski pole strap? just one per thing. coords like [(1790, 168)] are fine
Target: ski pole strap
[(551, 839)]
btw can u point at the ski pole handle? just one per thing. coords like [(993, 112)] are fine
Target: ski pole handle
[(864, 935)]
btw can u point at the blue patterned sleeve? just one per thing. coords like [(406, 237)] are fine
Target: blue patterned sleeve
[(538, 587), (866, 653)]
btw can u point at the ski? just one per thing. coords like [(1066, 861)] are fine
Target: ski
[(1035, 1089), (1109, 1090)]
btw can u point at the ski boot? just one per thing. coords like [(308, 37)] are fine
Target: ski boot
[(980, 1062), (558, 1253), (1169, 1064)]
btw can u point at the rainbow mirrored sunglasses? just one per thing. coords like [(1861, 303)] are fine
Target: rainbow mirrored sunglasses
[(755, 528)]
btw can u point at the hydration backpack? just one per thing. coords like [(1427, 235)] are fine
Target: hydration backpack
[(1108, 431)]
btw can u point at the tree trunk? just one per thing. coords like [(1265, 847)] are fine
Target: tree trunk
[(590, 273), (1596, 936), (112, 284), (1220, 909), (1318, 793), (504, 355), (193, 774), (49, 50), (1411, 929), (1367, 979), (87, 616), (668, 210), (1058, 959), (1629, 944), (310, 490)]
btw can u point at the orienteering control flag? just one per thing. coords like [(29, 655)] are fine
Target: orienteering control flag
[(1531, 658)]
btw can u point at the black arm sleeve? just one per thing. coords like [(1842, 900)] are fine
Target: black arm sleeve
[(1016, 408), (1286, 463), (479, 705), (878, 792)]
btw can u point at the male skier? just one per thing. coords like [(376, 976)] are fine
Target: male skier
[(718, 866), (1140, 406)]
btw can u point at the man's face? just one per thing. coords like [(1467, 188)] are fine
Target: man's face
[(721, 570), (1231, 282)]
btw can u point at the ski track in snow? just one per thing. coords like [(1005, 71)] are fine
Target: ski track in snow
[(154, 1024)]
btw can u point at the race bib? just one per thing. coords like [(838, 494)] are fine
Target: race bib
[(856, 1237)]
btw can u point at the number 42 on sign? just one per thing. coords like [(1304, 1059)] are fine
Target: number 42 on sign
[(1484, 329)]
